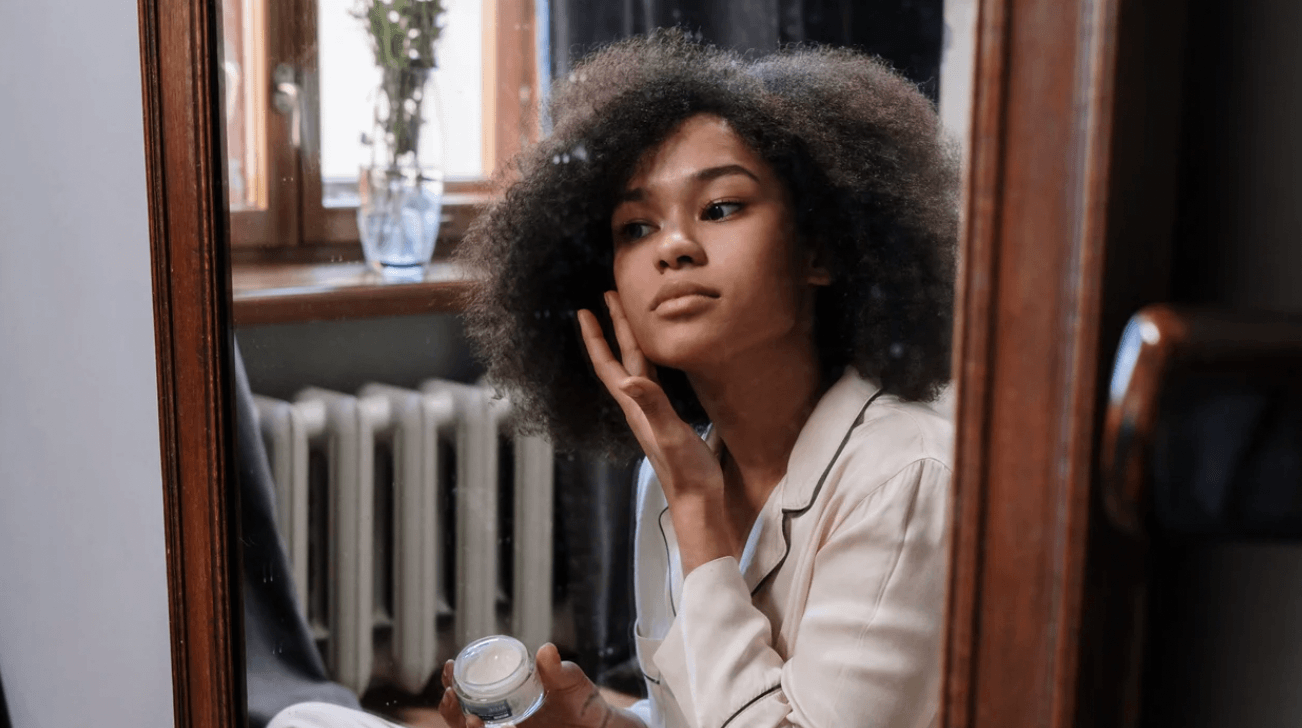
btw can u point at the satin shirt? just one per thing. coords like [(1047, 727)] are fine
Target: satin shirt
[(833, 615)]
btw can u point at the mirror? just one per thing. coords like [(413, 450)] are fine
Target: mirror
[(388, 600), (196, 369)]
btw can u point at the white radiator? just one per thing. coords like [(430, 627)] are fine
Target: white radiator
[(351, 438)]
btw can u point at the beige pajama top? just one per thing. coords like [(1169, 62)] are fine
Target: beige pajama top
[(833, 616)]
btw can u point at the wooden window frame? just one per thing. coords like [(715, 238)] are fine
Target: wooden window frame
[(1067, 210), (294, 226)]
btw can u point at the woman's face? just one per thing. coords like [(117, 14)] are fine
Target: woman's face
[(707, 262)]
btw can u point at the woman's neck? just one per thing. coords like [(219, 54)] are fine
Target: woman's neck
[(758, 404)]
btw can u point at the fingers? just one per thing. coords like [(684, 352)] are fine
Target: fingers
[(558, 676), (571, 696), (607, 367), (450, 710), (450, 706), (630, 353), (452, 714), (631, 360), (655, 406), (548, 660)]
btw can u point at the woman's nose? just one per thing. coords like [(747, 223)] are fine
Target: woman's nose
[(678, 248)]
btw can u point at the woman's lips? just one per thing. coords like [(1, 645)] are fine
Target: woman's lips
[(678, 296), (684, 305)]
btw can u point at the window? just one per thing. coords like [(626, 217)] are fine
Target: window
[(300, 90)]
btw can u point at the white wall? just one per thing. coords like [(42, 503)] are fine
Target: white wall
[(83, 599), (957, 67)]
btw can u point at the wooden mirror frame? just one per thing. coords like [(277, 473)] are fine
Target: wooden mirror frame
[(1068, 204), (179, 42)]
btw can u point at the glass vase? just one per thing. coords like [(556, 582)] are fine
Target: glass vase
[(401, 191)]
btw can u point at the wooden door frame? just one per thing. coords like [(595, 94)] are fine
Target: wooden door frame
[(1068, 215), (1068, 204)]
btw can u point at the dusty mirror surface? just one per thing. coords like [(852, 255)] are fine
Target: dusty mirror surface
[(390, 515)]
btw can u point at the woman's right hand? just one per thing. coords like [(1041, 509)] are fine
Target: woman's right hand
[(572, 700), (688, 471)]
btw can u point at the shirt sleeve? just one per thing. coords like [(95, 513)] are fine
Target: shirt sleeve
[(866, 651), (642, 709)]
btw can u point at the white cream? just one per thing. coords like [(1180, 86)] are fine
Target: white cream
[(494, 662), (495, 679)]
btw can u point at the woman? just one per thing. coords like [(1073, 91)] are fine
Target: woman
[(769, 245), (743, 271)]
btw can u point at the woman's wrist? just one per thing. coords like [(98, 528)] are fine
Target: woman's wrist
[(702, 530)]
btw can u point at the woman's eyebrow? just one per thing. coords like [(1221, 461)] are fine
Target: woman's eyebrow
[(704, 175), (711, 173)]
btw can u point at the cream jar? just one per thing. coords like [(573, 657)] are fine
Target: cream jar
[(495, 679)]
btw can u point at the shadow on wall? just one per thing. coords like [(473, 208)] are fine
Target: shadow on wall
[(343, 355), (4, 707)]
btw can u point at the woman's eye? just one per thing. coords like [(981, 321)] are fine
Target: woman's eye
[(634, 230), (720, 210)]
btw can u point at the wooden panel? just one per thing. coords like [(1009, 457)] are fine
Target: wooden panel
[(1065, 190), (511, 90), (292, 293), (287, 32), (337, 229), (187, 217)]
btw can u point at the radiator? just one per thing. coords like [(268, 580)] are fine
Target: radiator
[(365, 573)]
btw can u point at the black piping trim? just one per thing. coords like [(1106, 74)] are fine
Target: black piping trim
[(669, 565), (753, 700), (637, 655), (787, 514)]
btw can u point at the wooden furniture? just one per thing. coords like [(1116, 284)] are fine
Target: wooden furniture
[(1069, 205), (1162, 344), (272, 294)]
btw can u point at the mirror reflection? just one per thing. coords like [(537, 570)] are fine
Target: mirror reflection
[(666, 406)]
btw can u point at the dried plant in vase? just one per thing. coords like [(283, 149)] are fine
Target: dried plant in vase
[(402, 190)]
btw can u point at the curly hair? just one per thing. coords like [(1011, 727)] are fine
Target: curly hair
[(872, 184)]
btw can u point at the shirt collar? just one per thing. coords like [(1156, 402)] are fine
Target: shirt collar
[(817, 447), (822, 438)]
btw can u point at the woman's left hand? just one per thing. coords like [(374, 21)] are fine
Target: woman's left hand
[(572, 700), (688, 470)]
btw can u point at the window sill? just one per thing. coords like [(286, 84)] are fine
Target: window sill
[(299, 292)]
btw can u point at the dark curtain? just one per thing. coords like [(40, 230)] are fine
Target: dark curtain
[(282, 664), (594, 528), (907, 33)]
